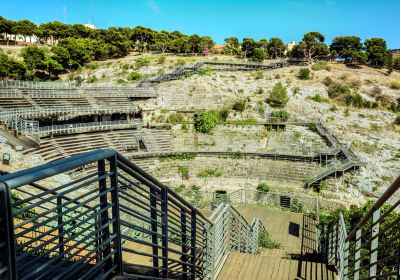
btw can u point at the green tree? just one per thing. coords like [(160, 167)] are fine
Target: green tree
[(6, 27), (11, 68), (298, 51), (376, 51), (348, 48), (314, 45), (232, 46), (276, 48), (205, 122), (248, 47), (258, 55), (278, 96), (24, 27)]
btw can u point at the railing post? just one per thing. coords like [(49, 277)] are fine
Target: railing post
[(104, 219), (60, 221), (154, 230), (193, 243), (184, 242), (357, 255), (7, 246), (346, 261), (374, 242), (164, 230), (116, 214)]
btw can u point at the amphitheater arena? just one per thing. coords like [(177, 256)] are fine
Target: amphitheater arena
[(50, 121)]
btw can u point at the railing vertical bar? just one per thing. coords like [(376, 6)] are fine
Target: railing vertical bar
[(164, 230), (374, 242), (357, 255), (116, 214), (154, 229), (193, 244), (104, 219), (60, 222), (184, 241), (7, 254)]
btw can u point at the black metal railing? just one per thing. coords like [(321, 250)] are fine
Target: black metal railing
[(116, 220)]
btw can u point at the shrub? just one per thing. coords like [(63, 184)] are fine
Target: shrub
[(223, 114), (121, 81), (280, 114), (180, 62), (91, 79), (248, 121), (320, 65), (141, 62), (175, 118), (134, 76), (317, 98), (277, 76), (336, 90), (263, 187), (355, 83), (376, 91), (206, 71), (161, 59), (395, 85), (260, 91), (328, 81), (239, 105), (297, 135), (259, 75), (312, 126), (304, 74), (397, 120), (265, 242), (261, 107), (356, 100), (205, 122), (278, 96), (333, 108), (209, 172)]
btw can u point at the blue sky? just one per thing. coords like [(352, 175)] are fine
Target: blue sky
[(286, 19)]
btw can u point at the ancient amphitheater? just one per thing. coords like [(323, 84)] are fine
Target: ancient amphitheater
[(98, 206)]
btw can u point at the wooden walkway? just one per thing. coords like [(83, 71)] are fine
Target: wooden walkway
[(294, 260)]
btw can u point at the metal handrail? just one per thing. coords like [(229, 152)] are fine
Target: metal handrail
[(72, 225)]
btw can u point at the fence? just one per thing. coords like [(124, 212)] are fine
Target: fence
[(82, 127), (110, 222)]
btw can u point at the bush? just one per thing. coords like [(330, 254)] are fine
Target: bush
[(304, 74), (223, 114), (141, 62), (395, 85), (263, 187), (175, 118), (265, 242), (336, 90), (320, 65), (205, 122), (328, 81), (91, 79), (356, 100), (134, 76), (280, 114), (239, 106), (209, 172), (206, 71), (161, 59), (259, 75), (278, 96), (180, 62), (318, 98), (397, 120), (248, 121), (121, 81)]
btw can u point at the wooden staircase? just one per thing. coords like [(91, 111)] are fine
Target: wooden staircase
[(296, 259)]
